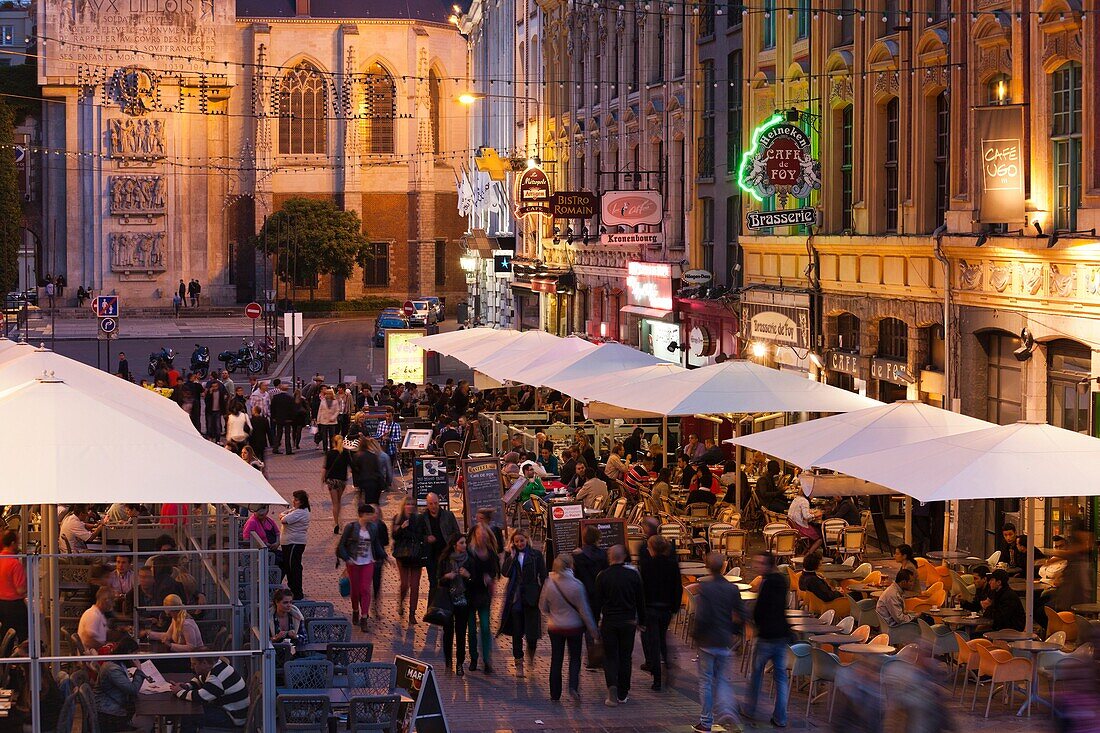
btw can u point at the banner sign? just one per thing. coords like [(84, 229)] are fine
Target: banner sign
[(533, 192), (612, 531), (404, 359), (889, 370), (631, 208), (633, 238), (573, 205), (782, 325), (565, 526), (779, 162), (843, 362), (649, 284), (1001, 144), (425, 714), (783, 218)]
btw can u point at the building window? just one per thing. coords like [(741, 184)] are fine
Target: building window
[(943, 148), (847, 22), (803, 19), (1065, 84), (657, 53), (441, 263), (734, 71), (999, 89), (769, 24), (379, 110), (706, 139), (735, 15), (847, 159), (893, 339), (613, 76), (891, 165), (732, 273), (1069, 366), (706, 18), (376, 264), (302, 112), (7, 35), (847, 333), (1004, 376), (434, 90), (940, 10), (707, 234)]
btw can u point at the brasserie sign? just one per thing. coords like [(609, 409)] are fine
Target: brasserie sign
[(779, 162)]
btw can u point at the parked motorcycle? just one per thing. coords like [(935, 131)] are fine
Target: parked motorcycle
[(165, 356), (247, 358), (200, 360)]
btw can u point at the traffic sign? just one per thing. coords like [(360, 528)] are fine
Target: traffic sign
[(105, 306), (409, 308), (253, 310), (108, 327)]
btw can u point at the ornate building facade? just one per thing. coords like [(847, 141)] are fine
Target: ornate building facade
[(174, 128)]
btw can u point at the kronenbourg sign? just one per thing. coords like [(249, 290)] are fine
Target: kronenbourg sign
[(774, 327), (631, 208)]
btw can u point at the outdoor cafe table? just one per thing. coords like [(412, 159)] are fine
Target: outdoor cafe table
[(1020, 584), (1086, 609), (864, 588), (867, 648), (834, 639), (971, 621), (814, 627), (1034, 649), (165, 705), (839, 572), (733, 578), (1009, 635)]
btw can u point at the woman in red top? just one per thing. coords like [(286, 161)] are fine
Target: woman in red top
[(705, 479), (13, 587)]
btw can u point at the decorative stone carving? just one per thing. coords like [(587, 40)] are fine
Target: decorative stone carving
[(1000, 276), (141, 139), (1064, 285), (1092, 281), (135, 90), (137, 251), (1032, 278), (143, 195), (1062, 45), (935, 77), (970, 276), (994, 60), (887, 83), (840, 89)]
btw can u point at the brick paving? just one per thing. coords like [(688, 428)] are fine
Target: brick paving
[(501, 703)]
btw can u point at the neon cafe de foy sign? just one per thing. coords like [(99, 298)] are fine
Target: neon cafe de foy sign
[(779, 163)]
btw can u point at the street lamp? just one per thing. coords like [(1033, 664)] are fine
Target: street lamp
[(469, 98)]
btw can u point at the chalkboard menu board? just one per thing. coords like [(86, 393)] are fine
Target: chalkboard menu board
[(612, 531), (417, 678), (565, 526), (481, 489), (430, 476)]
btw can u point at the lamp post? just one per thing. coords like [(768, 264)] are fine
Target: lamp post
[(469, 98)]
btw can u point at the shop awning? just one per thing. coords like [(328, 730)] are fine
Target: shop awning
[(641, 310)]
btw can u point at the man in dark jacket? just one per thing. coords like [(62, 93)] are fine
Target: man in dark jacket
[(439, 526), (981, 589), (366, 474), (621, 604), (771, 496), (282, 412), (632, 446), (216, 399), (259, 436), (773, 635), (661, 582), (1003, 607), (719, 618), (811, 582), (588, 562)]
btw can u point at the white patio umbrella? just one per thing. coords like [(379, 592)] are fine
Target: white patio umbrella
[(1024, 460), (66, 445), (729, 387), (478, 350), (445, 343), (816, 443), (603, 360), (528, 352), (23, 362), (582, 387)]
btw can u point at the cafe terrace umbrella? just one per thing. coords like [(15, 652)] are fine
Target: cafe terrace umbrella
[(528, 352), (1024, 460), (729, 387), (66, 445), (451, 341), (816, 443), (603, 360), (473, 352), (582, 387), (23, 362)]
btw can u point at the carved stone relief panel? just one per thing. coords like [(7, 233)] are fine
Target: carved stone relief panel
[(138, 195), (136, 138), (1063, 281), (137, 251)]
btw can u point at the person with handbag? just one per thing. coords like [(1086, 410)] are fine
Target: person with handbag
[(454, 573), (525, 569), (295, 524), (481, 545), (334, 474), (660, 571), (566, 607), (360, 547), (410, 550)]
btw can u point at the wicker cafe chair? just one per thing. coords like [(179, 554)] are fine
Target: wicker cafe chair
[(308, 674), (374, 713), (303, 712), (379, 678), (328, 630)]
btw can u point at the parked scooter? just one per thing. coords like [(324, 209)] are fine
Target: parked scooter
[(200, 361)]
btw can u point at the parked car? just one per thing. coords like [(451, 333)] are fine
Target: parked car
[(424, 315), (437, 306), (384, 322)]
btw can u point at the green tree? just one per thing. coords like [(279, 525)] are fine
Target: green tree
[(11, 211), (312, 237)]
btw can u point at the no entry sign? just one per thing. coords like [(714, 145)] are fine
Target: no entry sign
[(253, 310)]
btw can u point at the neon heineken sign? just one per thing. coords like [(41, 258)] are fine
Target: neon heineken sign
[(779, 162)]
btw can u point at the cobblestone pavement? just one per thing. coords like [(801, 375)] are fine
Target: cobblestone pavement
[(500, 703)]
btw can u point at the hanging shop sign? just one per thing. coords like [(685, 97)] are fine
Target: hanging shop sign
[(779, 162), (502, 264), (573, 205), (631, 208), (533, 192), (1001, 136), (660, 336), (780, 318), (646, 238), (842, 362), (806, 216), (649, 285), (696, 277), (889, 370), (700, 342)]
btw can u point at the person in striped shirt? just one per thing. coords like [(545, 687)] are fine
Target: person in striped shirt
[(220, 689)]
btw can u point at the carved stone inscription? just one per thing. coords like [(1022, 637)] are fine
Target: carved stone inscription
[(137, 195), (136, 138), (137, 251)]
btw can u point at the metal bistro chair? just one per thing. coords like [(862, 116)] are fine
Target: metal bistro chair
[(344, 654), (377, 678), (374, 713), (328, 630), (785, 543), (714, 534), (769, 531), (303, 712), (698, 510), (830, 534), (735, 543), (853, 541), (598, 505), (315, 609), (618, 508), (308, 674)]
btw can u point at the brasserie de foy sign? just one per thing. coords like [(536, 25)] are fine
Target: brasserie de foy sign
[(779, 163)]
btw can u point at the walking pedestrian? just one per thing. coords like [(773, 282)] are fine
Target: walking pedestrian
[(193, 294), (13, 586), (181, 290), (660, 571), (438, 524), (328, 414), (525, 569), (388, 435), (282, 409), (237, 426), (568, 617), (453, 576), (61, 283), (51, 291), (216, 399), (334, 474), (621, 603), (719, 618), (588, 562), (189, 397), (295, 524), (385, 465), (123, 369), (773, 635), (361, 549), (301, 417), (177, 303), (484, 568), (367, 475), (259, 436), (410, 551)]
